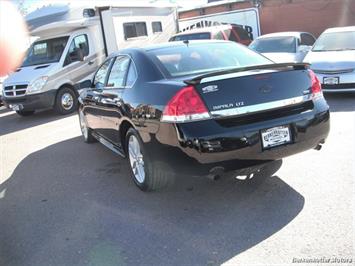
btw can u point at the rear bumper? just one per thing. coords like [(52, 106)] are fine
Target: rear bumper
[(32, 102), (346, 82), (186, 148)]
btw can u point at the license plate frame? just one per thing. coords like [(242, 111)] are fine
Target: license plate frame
[(275, 136), (331, 80)]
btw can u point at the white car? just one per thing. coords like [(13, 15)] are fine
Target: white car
[(333, 59), (284, 47)]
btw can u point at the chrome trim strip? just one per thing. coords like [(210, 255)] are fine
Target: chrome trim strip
[(260, 107), (339, 90)]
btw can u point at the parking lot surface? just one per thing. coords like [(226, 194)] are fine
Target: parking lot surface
[(64, 202)]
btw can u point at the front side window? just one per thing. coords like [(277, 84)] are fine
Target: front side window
[(134, 29), (118, 72), (100, 76), (274, 45), (79, 47), (45, 51), (156, 26)]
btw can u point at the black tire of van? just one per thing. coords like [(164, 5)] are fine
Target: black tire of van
[(66, 101), (25, 113)]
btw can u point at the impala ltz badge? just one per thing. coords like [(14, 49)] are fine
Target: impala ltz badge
[(210, 88)]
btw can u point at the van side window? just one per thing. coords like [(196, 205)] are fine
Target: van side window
[(101, 73), (118, 72), (79, 47), (157, 27), (134, 29)]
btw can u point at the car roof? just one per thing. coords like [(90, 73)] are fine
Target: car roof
[(340, 29), (205, 29), (295, 34)]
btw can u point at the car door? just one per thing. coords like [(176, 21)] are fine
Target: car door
[(92, 96), (110, 102)]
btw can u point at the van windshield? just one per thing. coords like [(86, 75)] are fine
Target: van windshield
[(45, 51)]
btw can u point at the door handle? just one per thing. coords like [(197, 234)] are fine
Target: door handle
[(91, 62)]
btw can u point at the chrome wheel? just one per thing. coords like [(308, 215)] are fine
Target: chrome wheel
[(67, 101), (136, 159), (83, 126)]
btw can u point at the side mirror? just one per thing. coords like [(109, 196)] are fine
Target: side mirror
[(83, 85), (304, 48)]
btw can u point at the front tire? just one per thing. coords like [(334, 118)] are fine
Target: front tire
[(25, 113), (146, 174), (66, 101)]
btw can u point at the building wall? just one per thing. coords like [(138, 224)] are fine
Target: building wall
[(292, 15)]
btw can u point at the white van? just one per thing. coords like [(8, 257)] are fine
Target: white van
[(72, 42)]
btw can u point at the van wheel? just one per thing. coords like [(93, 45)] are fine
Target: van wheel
[(25, 113), (146, 175), (66, 101)]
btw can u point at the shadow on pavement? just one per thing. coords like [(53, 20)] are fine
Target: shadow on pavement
[(12, 122), (341, 102), (74, 204)]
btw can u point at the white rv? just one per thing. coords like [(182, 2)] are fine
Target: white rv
[(72, 42)]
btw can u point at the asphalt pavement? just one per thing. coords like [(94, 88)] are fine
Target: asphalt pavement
[(64, 202)]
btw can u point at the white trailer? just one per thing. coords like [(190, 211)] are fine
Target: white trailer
[(246, 18), (73, 40)]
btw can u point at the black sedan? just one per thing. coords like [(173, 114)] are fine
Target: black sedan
[(201, 108)]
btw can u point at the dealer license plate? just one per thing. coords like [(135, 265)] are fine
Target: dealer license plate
[(275, 136), (331, 80)]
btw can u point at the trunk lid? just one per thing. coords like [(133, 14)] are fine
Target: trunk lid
[(253, 90)]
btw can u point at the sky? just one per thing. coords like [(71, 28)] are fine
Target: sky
[(31, 5)]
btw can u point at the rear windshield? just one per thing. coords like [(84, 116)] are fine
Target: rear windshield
[(274, 45), (335, 41), (192, 36), (198, 58)]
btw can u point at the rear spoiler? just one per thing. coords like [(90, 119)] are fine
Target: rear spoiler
[(296, 66)]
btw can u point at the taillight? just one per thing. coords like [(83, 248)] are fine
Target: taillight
[(316, 86), (185, 106)]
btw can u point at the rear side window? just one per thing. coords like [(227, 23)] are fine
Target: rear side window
[(231, 35), (307, 39), (197, 58), (118, 72), (134, 29), (243, 34), (132, 75), (157, 27)]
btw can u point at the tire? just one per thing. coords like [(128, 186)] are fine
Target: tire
[(66, 101), (25, 113), (85, 130), (154, 178)]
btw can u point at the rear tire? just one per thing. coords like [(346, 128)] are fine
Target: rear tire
[(25, 113), (147, 175), (85, 130), (66, 101)]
